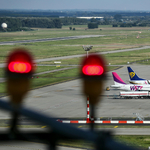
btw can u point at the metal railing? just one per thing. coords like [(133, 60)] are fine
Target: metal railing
[(101, 140)]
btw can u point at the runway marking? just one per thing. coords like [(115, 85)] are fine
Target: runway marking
[(75, 86), (43, 126), (20, 147), (59, 90), (116, 127), (121, 67), (79, 126), (36, 96)]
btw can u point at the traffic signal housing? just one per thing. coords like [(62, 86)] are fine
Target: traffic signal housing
[(19, 70), (93, 67), (19, 64), (93, 72)]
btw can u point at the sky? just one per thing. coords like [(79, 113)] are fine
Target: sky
[(133, 5)]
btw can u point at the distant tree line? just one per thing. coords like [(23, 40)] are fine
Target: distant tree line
[(26, 23), (140, 21), (133, 24), (71, 13), (18, 24), (30, 13)]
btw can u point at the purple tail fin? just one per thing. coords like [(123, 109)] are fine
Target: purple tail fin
[(117, 79)]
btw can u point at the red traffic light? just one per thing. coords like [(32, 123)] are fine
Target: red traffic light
[(19, 62), (92, 70), (19, 67), (94, 65)]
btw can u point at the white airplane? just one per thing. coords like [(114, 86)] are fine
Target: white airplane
[(134, 79), (121, 85)]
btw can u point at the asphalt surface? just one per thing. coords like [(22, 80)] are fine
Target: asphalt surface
[(38, 146), (49, 39), (30, 146), (67, 100)]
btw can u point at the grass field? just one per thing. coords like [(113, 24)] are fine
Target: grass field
[(138, 141), (114, 39), (141, 142)]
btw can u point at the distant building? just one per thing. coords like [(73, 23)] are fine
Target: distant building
[(61, 16), (91, 17)]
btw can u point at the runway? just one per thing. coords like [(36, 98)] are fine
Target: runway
[(49, 39), (30, 146), (39, 146), (66, 100)]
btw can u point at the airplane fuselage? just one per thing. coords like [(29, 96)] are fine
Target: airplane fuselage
[(131, 87), (139, 81)]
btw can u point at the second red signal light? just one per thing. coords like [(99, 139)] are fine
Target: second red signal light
[(19, 67), (92, 70), (93, 66)]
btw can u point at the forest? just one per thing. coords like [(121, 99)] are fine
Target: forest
[(18, 20)]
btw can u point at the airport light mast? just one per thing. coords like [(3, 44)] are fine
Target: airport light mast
[(87, 49), (93, 73)]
